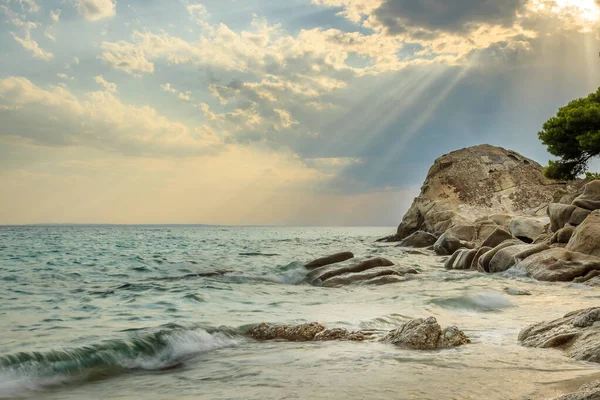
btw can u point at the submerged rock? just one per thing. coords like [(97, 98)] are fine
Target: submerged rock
[(320, 275), (578, 333), (378, 272), (426, 334), (417, 334), (517, 292), (332, 259)]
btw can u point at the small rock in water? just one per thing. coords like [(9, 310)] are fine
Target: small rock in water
[(332, 259), (293, 333), (517, 291), (426, 334)]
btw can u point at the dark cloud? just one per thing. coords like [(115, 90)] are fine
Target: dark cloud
[(445, 15)]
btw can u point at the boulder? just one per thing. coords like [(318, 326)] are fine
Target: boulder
[(332, 259), (559, 215), (527, 229), (353, 277), (563, 235), (447, 244), (578, 333), (468, 184), (426, 334), (579, 215), (590, 198), (505, 258), (418, 239), (558, 264), (586, 238), (498, 236), (480, 253), (484, 261), (461, 259), (319, 275)]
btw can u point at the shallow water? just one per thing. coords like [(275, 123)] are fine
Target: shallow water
[(113, 313)]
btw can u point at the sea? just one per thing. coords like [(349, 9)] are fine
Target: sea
[(135, 312)]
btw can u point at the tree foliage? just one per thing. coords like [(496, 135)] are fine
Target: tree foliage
[(574, 136)]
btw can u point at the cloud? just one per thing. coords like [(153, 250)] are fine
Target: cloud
[(54, 116), (55, 15), (186, 96), (65, 77), (32, 46), (398, 16), (167, 88), (108, 86), (94, 10)]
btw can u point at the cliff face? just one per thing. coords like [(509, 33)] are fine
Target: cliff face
[(471, 183)]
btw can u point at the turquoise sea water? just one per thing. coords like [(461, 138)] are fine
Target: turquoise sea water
[(125, 312)]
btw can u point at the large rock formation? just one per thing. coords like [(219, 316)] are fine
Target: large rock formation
[(470, 186), (417, 334)]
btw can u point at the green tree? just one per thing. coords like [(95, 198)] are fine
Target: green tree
[(574, 136)]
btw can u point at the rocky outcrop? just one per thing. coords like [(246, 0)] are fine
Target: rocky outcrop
[(578, 333), (417, 334), (374, 271), (474, 184), (332, 259), (586, 238)]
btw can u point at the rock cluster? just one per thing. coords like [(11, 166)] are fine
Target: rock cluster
[(374, 271), (417, 334)]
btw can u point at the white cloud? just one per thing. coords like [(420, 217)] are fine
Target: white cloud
[(99, 119), (108, 86), (55, 15), (94, 10), (65, 77), (32, 46), (187, 95)]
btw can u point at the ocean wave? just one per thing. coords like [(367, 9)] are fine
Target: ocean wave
[(150, 351), (481, 302)]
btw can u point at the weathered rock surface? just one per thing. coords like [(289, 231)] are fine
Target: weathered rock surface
[(586, 238), (447, 244), (589, 391), (483, 264), (332, 259), (426, 334), (559, 215), (505, 258), (473, 183), (558, 264), (418, 239), (590, 198), (578, 333), (563, 235), (461, 259), (417, 334)]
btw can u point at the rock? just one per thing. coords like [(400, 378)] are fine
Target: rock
[(590, 198), (319, 275), (468, 184), (461, 259), (578, 333), (563, 235), (501, 219), (589, 391), (558, 264), (386, 280), (293, 333), (352, 277), (505, 258), (426, 334), (495, 238), (467, 233), (418, 239), (332, 259), (586, 238), (559, 215), (517, 292), (480, 253), (418, 252), (447, 244), (578, 216), (484, 261), (527, 229)]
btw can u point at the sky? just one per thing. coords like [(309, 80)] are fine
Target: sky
[(270, 112)]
